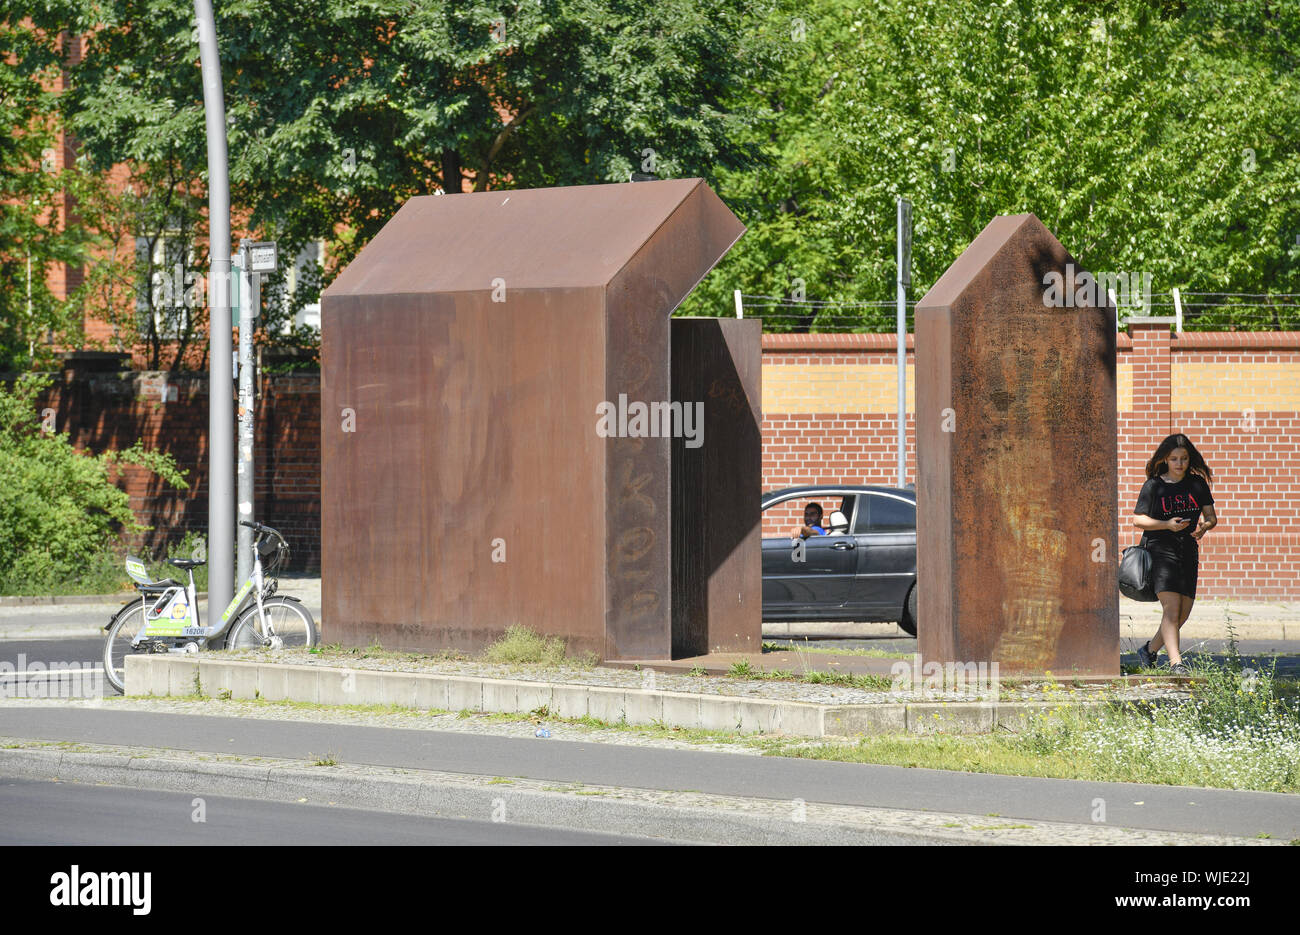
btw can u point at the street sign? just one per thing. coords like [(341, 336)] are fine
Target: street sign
[(262, 257), (236, 293)]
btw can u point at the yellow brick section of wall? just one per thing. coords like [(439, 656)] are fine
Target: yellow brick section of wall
[(833, 388), (1215, 387), (861, 388)]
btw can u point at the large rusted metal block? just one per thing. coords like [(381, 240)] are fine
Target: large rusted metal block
[(1016, 456), (717, 487), (466, 355)]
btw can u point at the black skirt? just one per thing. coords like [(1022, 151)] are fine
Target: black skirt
[(1174, 563)]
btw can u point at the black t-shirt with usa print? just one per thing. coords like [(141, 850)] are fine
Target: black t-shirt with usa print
[(1162, 500)]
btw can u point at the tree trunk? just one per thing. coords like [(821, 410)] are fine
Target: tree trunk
[(451, 175)]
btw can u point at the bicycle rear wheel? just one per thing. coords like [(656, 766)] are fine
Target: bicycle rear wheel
[(117, 645), (288, 626)]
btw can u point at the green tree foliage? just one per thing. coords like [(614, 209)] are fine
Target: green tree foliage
[(783, 252), (1150, 137), (61, 508), (34, 241)]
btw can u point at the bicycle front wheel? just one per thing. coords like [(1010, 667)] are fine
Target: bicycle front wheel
[(117, 645), (288, 626)]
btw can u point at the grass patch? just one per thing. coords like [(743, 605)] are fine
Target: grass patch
[(519, 646), (973, 754), (803, 648), (1240, 730), (523, 646), (375, 651), (745, 670)]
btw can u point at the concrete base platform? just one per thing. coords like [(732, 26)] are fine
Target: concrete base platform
[(211, 675)]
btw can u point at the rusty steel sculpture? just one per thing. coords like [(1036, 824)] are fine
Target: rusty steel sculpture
[(515, 432), (1016, 462)]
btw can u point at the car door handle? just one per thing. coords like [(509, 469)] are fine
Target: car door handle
[(843, 546)]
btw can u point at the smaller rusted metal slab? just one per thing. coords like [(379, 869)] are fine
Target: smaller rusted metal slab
[(717, 487), (1016, 454)]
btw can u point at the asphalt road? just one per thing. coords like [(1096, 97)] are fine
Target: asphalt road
[(87, 651), (1131, 805), (25, 669), (95, 815)]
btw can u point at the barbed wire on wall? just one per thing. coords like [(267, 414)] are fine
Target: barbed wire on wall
[(1201, 311)]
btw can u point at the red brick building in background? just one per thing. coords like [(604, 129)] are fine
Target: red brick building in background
[(828, 402)]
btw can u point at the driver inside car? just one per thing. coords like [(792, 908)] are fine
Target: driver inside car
[(812, 522)]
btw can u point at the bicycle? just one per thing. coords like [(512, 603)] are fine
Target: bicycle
[(166, 618)]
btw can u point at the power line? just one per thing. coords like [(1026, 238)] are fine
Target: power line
[(1250, 295)]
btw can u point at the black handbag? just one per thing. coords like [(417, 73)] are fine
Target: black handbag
[(1135, 573)]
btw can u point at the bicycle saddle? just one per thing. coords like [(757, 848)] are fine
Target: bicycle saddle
[(185, 564)]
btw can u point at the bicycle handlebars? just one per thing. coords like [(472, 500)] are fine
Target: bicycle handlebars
[(259, 528)]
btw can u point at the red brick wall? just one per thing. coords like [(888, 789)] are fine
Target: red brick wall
[(170, 412)]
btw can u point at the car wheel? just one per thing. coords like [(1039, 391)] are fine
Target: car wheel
[(907, 620)]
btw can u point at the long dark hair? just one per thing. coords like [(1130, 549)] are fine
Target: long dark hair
[(1157, 465)]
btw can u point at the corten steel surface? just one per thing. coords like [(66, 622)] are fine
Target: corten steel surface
[(638, 301), (1016, 457), (717, 488), (472, 341)]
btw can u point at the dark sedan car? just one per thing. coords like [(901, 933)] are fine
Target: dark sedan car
[(863, 569)]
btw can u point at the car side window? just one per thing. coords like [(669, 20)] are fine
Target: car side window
[(891, 515), (885, 514)]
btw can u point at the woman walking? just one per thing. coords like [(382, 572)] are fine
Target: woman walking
[(1176, 495)]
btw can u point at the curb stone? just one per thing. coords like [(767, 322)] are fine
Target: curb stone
[(45, 600), (54, 632)]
